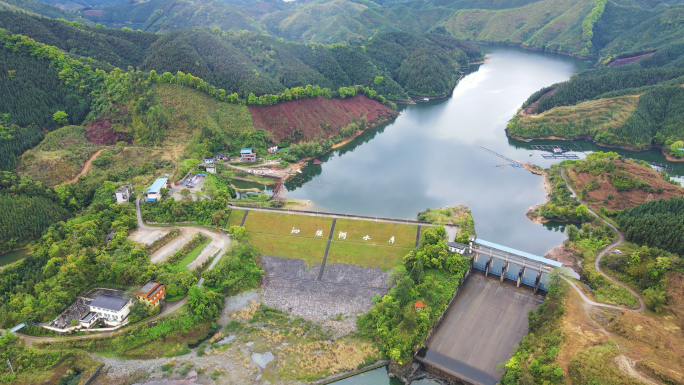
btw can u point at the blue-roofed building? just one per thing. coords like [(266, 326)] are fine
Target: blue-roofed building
[(247, 155), (154, 192)]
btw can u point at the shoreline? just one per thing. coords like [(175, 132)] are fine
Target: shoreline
[(534, 169), (587, 138), (375, 124), (520, 45)]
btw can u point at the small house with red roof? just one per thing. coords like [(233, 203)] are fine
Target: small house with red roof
[(419, 306), (151, 293)]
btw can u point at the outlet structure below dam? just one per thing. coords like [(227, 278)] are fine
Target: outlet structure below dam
[(488, 315)]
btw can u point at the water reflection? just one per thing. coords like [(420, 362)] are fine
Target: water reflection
[(428, 157)]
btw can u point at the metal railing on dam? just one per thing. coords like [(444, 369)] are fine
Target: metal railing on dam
[(515, 265)]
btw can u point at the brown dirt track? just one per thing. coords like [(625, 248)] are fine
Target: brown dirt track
[(311, 115)]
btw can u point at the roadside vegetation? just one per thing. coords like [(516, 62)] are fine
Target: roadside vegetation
[(458, 215), (202, 212), (534, 360), (42, 366), (586, 243), (561, 205), (430, 274)]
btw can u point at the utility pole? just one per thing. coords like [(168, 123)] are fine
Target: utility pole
[(10, 365)]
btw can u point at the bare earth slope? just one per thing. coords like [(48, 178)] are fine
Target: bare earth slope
[(310, 115)]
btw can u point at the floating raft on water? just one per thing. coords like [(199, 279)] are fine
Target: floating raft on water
[(658, 167), (554, 149), (560, 156)]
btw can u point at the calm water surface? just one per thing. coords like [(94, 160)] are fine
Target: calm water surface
[(12, 256), (428, 157)]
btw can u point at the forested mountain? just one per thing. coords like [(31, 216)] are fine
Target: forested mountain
[(645, 61), (31, 91), (657, 223), (245, 62), (35, 7), (166, 15)]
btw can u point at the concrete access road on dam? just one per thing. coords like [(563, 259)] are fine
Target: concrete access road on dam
[(480, 329)]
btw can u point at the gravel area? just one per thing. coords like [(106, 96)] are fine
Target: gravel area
[(356, 275), (288, 267), (235, 368), (345, 290)]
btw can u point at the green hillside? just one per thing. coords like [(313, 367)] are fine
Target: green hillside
[(554, 25), (108, 45), (31, 91), (35, 7), (646, 61), (163, 16)]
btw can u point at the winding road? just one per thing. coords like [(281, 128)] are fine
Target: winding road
[(597, 261)]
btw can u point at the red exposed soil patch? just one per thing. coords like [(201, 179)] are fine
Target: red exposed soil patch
[(625, 199), (317, 117), (100, 132), (627, 60), (530, 109)]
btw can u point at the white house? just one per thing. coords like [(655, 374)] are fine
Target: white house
[(89, 320), (113, 310), (456, 247), (123, 194), (154, 192), (273, 150)]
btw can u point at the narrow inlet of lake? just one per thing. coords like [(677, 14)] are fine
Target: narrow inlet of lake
[(429, 156)]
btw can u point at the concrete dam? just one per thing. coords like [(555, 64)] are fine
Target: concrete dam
[(488, 315)]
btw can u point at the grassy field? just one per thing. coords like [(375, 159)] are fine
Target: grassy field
[(310, 250), (193, 254), (283, 224), (58, 158), (272, 234), (235, 218), (379, 233), (361, 254)]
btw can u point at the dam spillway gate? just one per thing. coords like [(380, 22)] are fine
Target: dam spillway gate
[(488, 315)]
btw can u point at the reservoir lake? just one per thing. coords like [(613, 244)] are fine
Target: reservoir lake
[(429, 156)]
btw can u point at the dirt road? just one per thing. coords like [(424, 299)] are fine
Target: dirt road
[(86, 166), (597, 261)]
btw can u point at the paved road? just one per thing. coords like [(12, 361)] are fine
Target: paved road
[(213, 234), (597, 261), (276, 174), (332, 215)]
